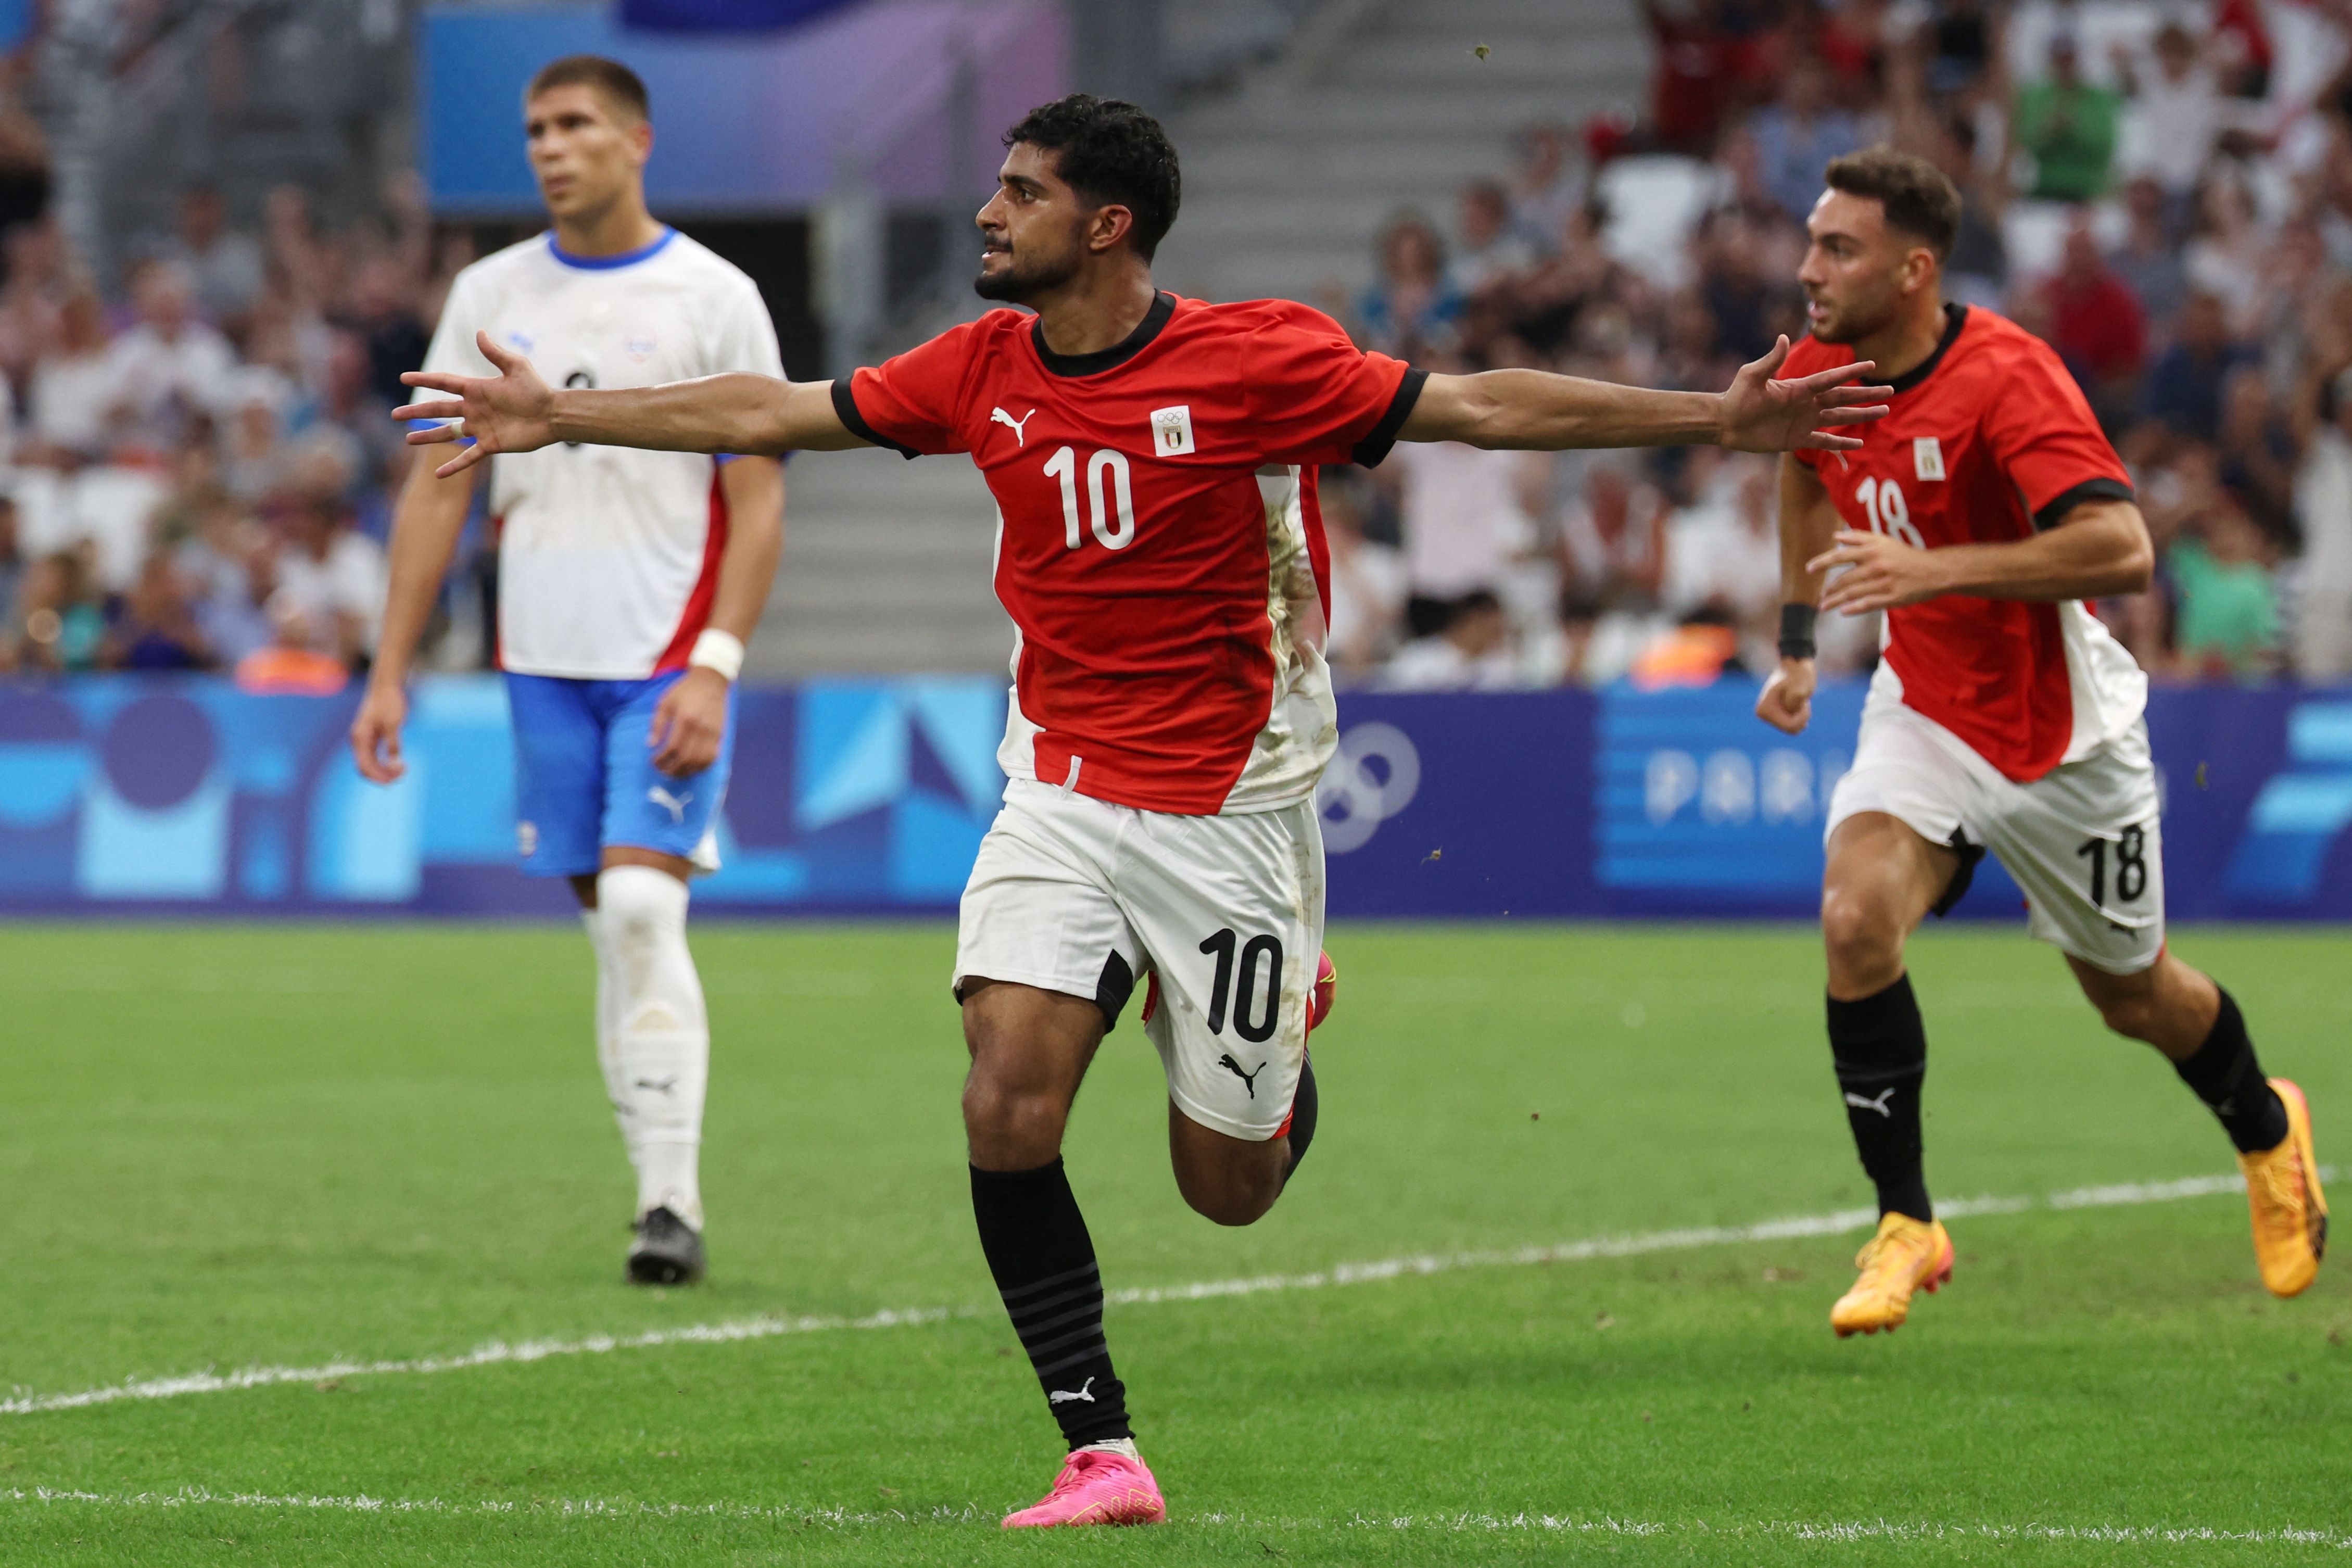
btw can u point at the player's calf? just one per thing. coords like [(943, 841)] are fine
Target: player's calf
[(2198, 1028), (2197, 1024), (1226, 1179)]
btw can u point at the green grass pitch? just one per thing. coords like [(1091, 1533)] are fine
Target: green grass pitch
[(229, 1148)]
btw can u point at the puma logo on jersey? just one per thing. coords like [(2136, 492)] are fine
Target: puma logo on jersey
[(659, 1086), (1877, 1104), (1071, 1396), (1020, 438), (675, 804), (1249, 1079)]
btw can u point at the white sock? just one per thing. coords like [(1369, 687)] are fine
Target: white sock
[(608, 1033), (662, 1034), (1122, 1446)]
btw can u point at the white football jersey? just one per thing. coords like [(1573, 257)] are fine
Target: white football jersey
[(608, 556)]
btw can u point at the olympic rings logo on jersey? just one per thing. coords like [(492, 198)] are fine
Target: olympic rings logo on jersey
[(1354, 797)]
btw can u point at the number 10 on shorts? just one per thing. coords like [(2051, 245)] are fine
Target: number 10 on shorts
[(1260, 964)]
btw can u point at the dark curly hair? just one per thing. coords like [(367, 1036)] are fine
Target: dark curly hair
[(1113, 154), (1919, 198)]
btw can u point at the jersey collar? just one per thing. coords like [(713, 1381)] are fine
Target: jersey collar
[(1163, 305), (1955, 318), (607, 263)]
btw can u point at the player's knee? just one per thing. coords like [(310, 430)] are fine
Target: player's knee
[(1863, 941), (641, 907), (1008, 1126)]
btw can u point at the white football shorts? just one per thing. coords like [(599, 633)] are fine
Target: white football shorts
[(1077, 895), (2084, 840)]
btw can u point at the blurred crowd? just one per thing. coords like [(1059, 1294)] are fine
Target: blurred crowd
[(196, 467), (2163, 192)]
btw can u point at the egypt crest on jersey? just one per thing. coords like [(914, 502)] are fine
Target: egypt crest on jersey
[(1986, 441), (1159, 547)]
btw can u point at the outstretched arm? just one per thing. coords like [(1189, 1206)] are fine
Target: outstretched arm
[(2098, 548), (1534, 409), (515, 411)]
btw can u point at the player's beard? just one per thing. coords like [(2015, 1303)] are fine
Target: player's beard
[(1852, 321), (1026, 277)]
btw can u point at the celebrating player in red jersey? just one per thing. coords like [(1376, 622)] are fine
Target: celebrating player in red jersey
[(2003, 717), (1153, 460)]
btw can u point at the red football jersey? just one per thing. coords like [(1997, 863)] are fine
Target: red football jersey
[(1987, 440), (1158, 546)]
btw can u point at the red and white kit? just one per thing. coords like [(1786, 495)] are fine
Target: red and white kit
[(1998, 724), (1161, 555)]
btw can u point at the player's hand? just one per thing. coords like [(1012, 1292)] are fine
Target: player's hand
[(689, 723), (1787, 701), (1884, 572), (1761, 415), (511, 412), (375, 732)]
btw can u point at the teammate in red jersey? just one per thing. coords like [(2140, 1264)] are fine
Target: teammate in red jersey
[(2002, 719), (1153, 460)]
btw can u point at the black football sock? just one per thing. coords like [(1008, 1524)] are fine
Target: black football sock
[(2226, 1077), (1881, 1050), (1302, 1116), (1044, 1262)]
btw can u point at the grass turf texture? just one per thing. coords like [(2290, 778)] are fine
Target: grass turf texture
[(230, 1147)]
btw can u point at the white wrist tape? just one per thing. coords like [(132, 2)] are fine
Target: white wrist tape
[(717, 650)]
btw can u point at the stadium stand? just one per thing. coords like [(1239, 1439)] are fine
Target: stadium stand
[(197, 465)]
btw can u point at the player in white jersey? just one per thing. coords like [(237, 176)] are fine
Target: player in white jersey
[(627, 582)]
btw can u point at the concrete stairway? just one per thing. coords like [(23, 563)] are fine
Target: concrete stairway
[(1287, 181), (886, 569)]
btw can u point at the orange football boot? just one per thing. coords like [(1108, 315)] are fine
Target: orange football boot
[(1905, 1254), (2290, 1211)]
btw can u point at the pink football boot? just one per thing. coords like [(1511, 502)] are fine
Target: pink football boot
[(1097, 1488), (1326, 995)]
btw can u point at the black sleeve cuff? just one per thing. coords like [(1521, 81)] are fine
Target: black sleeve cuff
[(2054, 511), (1375, 447), (846, 406)]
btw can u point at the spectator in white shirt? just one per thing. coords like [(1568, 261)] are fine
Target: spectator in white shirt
[(330, 584), (253, 458), (2175, 111), (1611, 539), (73, 385), (1467, 523), (2323, 501), (1367, 589), (1725, 548), (1472, 654), (170, 365)]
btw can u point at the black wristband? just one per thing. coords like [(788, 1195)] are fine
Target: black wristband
[(1797, 630)]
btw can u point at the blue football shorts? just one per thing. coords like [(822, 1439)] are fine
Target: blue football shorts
[(584, 776)]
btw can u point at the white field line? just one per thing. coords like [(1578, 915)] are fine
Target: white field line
[(499, 1353), (1847, 1531)]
